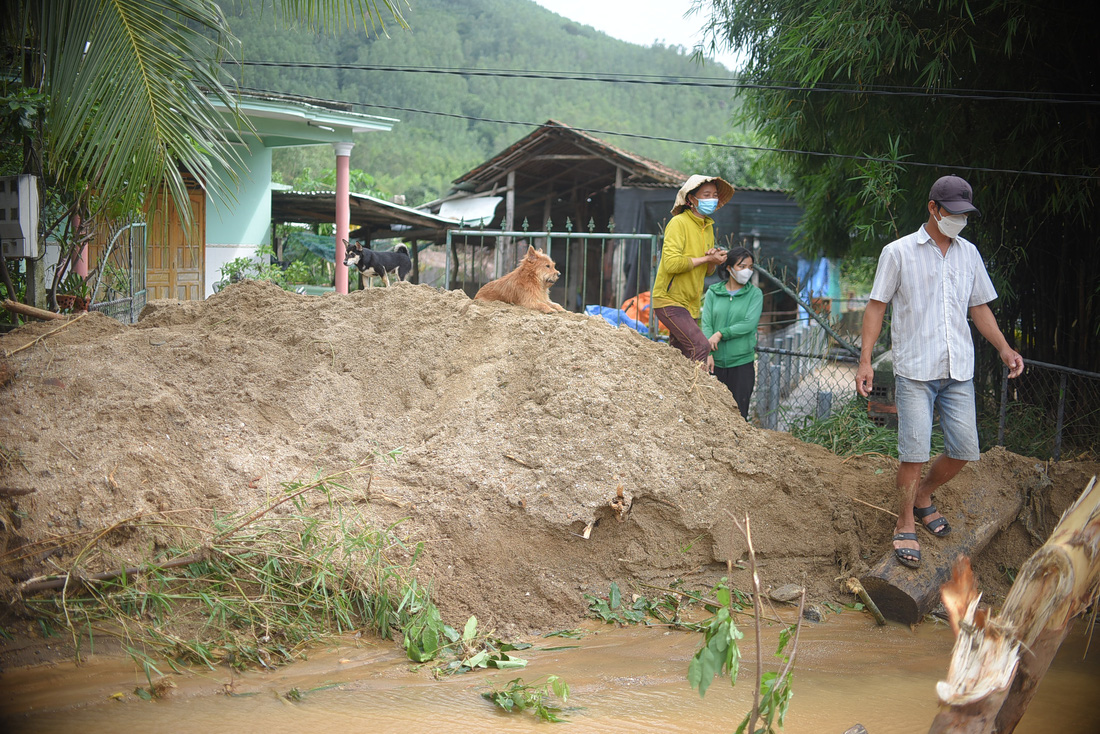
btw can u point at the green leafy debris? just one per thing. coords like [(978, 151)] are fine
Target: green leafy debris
[(718, 654), (266, 586), (519, 696)]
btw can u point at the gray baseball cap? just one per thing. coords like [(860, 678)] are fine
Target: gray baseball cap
[(953, 194)]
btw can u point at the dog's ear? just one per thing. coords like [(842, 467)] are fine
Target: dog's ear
[(531, 250)]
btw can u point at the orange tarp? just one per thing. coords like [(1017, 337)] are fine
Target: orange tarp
[(637, 308)]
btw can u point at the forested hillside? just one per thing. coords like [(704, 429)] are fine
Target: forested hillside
[(426, 151)]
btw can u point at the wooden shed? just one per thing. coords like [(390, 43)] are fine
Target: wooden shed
[(558, 172)]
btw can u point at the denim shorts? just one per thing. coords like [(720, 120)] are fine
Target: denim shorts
[(954, 401)]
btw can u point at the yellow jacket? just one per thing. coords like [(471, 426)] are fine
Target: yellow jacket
[(679, 284)]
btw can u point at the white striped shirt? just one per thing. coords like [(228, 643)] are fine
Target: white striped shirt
[(931, 294)]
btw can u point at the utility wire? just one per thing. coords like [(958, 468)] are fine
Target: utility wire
[(685, 81), (641, 136)]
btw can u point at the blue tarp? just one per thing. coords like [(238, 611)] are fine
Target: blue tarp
[(617, 317), (324, 246), (820, 279)]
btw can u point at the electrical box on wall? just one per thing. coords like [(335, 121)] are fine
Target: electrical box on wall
[(19, 216)]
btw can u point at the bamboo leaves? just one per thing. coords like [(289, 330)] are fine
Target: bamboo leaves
[(475, 651), (267, 586), (849, 431)]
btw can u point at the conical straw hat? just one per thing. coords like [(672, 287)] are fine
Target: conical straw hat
[(725, 191)]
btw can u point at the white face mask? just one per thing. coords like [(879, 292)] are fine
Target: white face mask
[(742, 276), (950, 225)]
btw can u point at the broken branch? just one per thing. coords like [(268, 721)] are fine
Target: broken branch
[(53, 315)]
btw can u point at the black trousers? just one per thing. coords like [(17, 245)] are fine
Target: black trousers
[(740, 380)]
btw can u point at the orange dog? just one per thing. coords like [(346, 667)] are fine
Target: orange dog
[(528, 285)]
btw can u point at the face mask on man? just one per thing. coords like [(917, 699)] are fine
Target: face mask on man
[(707, 206), (951, 224), (742, 276)]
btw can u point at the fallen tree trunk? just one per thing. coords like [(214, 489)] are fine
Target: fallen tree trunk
[(1059, 582), (1033, 665), (907, 594), (997, 663), (36, 313)]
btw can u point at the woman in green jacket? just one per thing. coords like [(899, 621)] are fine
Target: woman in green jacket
[(731, 313)]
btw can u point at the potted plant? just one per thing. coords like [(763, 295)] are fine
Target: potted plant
[(73, 293)]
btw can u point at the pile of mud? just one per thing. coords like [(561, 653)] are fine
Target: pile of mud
[(515, 431)]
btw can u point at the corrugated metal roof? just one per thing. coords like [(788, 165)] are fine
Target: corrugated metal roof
[(283, 120), (382, 218), (676, 186), (555, 151)]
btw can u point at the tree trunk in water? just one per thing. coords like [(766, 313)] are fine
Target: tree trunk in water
[(907, 594), (1029, 672), (989, 682)]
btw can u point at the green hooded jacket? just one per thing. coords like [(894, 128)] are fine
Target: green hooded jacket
[(736, 315)]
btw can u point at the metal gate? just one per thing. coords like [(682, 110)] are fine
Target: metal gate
[(598, 269), (119, 278)]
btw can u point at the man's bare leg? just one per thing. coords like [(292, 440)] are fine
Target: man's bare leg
[(908, 483), (943, 470)]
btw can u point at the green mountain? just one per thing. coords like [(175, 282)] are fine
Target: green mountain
[(425, 152)]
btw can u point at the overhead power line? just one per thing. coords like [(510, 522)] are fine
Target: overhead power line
[(641, 136), (695, 81)]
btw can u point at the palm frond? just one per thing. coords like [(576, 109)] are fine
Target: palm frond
[(343, 13), (130, 85), (136, 89)]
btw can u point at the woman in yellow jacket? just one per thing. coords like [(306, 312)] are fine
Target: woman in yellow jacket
[(687, 257)]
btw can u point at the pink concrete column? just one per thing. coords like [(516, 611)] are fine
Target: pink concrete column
[(81, 264), (343, 211)]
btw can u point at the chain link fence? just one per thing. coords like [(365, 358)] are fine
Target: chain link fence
[(799, 376), (1048, 412), (118, 282)]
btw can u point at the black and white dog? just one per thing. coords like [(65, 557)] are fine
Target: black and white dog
[(376, 264)]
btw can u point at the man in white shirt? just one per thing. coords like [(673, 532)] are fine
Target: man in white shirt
[(934, 279)]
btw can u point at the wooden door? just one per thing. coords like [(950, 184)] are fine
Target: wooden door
[(176, 262)]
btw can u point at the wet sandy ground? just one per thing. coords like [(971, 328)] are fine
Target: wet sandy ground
[(621, 680)]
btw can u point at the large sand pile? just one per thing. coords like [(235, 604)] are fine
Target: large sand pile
[(515, 427)]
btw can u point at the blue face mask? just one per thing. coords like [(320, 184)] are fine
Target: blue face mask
[(707, 206)]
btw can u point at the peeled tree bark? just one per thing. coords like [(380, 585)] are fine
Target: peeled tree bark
[(998, 661)]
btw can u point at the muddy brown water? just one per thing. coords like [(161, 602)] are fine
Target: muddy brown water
[(621, 680)]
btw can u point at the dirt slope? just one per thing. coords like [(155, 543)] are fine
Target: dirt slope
[(515, 428)]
